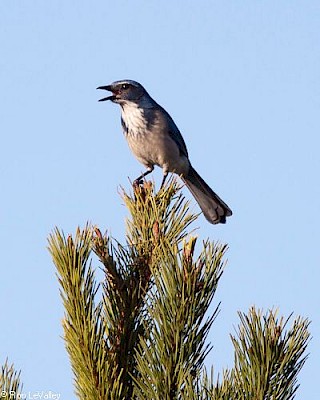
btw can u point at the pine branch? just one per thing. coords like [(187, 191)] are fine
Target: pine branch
[(171, 356), (156, 216), (127, 280), (83, 326), (268, 357), (129, 269), (10, 385)]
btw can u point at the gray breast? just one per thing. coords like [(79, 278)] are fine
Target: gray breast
[(146, 130)]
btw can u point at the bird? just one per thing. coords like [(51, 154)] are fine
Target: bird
[(155, 139)]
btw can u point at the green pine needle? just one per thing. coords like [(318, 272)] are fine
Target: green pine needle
[(142, 332), (10, 385)]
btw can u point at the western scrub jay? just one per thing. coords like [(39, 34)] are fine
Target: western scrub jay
[(154, 139)]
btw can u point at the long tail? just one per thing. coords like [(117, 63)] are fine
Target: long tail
[(214, 209)]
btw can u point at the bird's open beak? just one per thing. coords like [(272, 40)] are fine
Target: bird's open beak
[(108, 87)]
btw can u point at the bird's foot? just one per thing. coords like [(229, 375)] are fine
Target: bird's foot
[(137, 183)]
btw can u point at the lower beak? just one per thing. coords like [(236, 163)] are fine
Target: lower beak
[(108, 87), (108, 98)]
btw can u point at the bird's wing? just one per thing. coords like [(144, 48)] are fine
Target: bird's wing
[(177, 137), (175, 133)]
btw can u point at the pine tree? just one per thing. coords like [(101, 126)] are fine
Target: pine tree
[(142, 332)]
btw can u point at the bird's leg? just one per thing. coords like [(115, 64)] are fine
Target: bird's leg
[(165, 174), (138, 181)]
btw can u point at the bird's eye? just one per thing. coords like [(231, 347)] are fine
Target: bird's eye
[(125, 86)]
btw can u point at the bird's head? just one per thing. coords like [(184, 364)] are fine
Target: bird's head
[(124, 91)]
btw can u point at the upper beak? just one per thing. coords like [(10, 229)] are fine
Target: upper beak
[(109, 88)]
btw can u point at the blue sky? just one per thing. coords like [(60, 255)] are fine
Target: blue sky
[(240, 79)]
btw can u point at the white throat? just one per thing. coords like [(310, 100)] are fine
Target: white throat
[(133, 117)]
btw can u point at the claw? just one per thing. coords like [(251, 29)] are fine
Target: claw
[(137, 182)]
